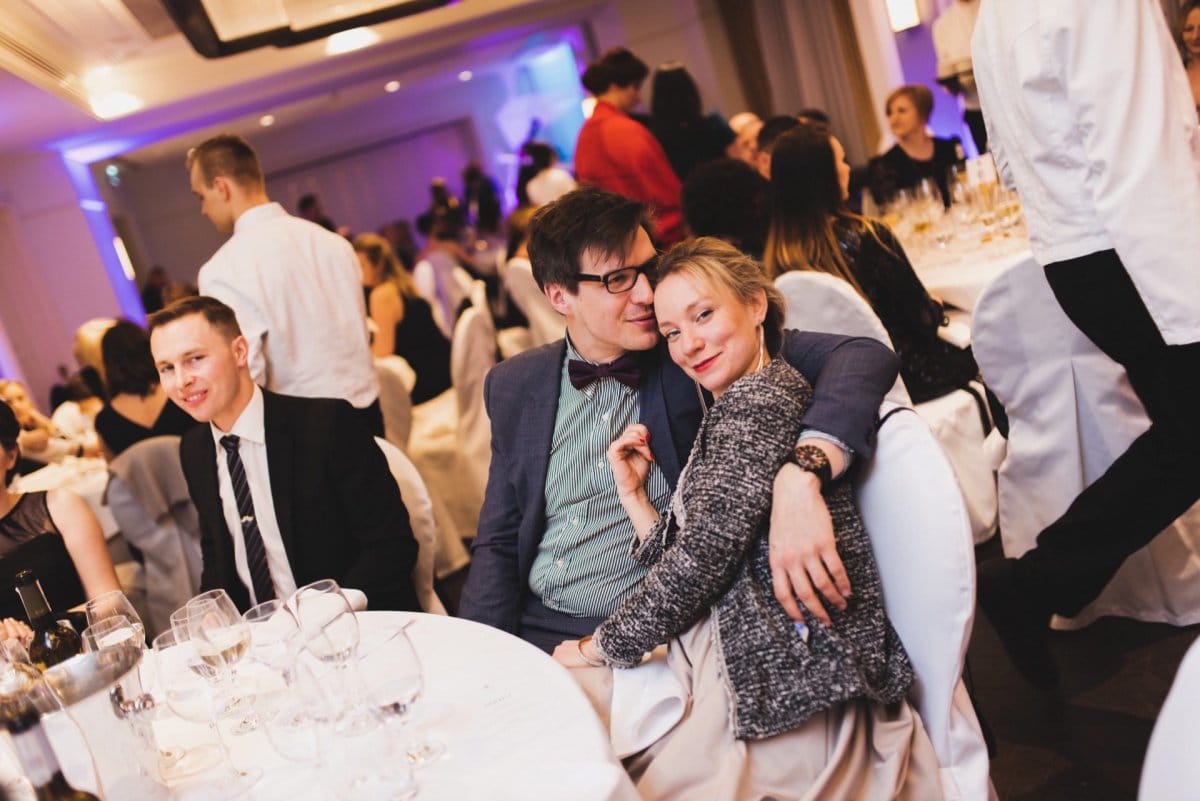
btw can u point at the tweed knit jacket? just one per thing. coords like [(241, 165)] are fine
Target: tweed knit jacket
[(709, 557)]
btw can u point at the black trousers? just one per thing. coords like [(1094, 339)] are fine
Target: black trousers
[(546, 627), (1151, 483), (974, 120), (372, 417)]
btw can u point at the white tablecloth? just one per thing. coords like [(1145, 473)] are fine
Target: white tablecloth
[(87, 478), (959, 273), (515, 724)]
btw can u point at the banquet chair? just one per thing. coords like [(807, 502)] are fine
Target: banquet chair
[(821, 302), (420, 516), (149, 499), (396, 380), (921, 537), (509, 341), (545, 324), (472, 354), (1171, 771), (1071, 413)]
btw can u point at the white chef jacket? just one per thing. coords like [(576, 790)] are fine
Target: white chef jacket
[(952, 32), (297, 291), (1090, 117)]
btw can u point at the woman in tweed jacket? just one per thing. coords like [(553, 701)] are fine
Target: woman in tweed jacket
[(779, 710)]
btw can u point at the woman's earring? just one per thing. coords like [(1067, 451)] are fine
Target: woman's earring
[(762, 348)]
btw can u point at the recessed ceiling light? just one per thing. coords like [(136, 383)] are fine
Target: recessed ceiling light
[(114, 104), (353, 39), (266, 120), (391, 86), (465, 76)]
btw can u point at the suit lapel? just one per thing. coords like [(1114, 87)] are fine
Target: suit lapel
[(281, 466), (671, 410), (542, 410)]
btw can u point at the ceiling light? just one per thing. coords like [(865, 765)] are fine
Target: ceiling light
[(217, 28), (903, 14), (123, 257), (114, 104), (391, 86), (465, 76), (266, 120), (353, 39)]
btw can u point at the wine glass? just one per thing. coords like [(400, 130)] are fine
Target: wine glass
[(194, 692), (114, 604), (392, 680), (221, 638), (329, 630), (112, 631), (273, 634)]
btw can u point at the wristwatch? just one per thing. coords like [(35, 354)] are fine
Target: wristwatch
[(813, 460)]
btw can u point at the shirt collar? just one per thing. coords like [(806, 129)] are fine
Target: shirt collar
[(249, 425), (257, 215)]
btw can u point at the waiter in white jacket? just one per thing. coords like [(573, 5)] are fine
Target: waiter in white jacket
[(1090, 118)]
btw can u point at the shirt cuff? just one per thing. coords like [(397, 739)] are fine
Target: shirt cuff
[(812, 433)]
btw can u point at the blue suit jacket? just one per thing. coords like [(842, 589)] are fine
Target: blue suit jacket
[(850, 377)]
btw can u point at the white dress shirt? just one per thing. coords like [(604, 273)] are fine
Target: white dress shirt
[(1090, 117), (297, 292), (952, 41), (253, 450)]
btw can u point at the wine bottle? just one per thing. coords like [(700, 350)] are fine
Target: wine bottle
[(39, 761), (53, 641)]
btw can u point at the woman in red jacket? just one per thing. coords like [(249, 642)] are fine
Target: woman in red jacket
[(619, 154)]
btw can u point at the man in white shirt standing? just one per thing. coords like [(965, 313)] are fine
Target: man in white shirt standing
[(1091, 119), (952, 32), (296, 288)]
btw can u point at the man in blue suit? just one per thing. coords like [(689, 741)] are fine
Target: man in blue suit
[(551, 554)]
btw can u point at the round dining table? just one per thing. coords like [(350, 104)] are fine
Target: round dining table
[(515, 726)]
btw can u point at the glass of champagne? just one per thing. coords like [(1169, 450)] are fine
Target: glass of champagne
[(221, 639), (194, 691), (392, 681)]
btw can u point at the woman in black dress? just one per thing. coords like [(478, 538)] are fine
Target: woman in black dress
[(812, 229), (916, 154), (404, 320), (137, 407)]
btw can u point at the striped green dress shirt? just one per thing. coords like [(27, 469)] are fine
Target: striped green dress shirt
[(583, 566)]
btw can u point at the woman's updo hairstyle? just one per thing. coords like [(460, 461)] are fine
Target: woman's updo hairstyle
[(615, 67), (719, 264)]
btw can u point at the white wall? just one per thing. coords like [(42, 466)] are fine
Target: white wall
[(52, 275)]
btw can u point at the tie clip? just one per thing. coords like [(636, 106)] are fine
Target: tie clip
[(247, 519)]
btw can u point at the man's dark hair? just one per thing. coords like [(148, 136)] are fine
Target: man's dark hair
[(228, 156), (615, 67), (728, 199), (774, 128), (307, 203), (587, 219), (217, 314), (128, 365), (813, 114), (10, 429)]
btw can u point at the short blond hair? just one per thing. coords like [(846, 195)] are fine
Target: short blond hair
[(917, 94), (720, 264)]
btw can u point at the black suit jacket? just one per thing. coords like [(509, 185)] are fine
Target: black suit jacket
[(850, 377), (338, 507)]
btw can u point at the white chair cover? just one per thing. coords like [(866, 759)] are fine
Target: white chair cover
[(472, 354), (149, 499), (440, 281), (822, 302), (396, 380), (1071, 412), (545, 324), (420, 516), (921, 537), (1171, 771)]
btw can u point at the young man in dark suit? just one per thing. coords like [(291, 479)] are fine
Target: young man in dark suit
[(551, 554), (288, 490)]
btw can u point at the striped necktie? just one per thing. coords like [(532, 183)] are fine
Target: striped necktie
[(256, 553)]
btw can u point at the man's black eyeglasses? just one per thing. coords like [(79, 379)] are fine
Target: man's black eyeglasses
[(622, 280)]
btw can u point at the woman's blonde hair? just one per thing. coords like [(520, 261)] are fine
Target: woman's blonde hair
[(719, 264), (917, 94), (380, 253)]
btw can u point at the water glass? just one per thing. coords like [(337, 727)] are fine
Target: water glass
[(393, 680)]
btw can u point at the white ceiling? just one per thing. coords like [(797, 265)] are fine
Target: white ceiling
[(55, 61)]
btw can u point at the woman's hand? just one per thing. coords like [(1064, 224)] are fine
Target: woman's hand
[(13, 629), (566, 653), (630, 458)]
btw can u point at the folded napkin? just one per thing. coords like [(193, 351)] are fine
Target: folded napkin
[(647, 702)]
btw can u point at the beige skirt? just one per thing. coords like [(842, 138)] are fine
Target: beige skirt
[(857, 751)]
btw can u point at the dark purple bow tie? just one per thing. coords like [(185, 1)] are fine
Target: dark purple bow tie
[(626, 369)]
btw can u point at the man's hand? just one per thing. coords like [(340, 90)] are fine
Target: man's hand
[(803, 555)]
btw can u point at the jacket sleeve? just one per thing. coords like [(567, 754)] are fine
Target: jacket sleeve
[(727, 502), (850, 376), (494, 587), (375, 516)]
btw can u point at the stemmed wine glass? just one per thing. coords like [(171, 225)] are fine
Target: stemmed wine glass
[(113, 631), (329, 631), (221, 638), (392, 681), (114, 604), (194, 691)]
